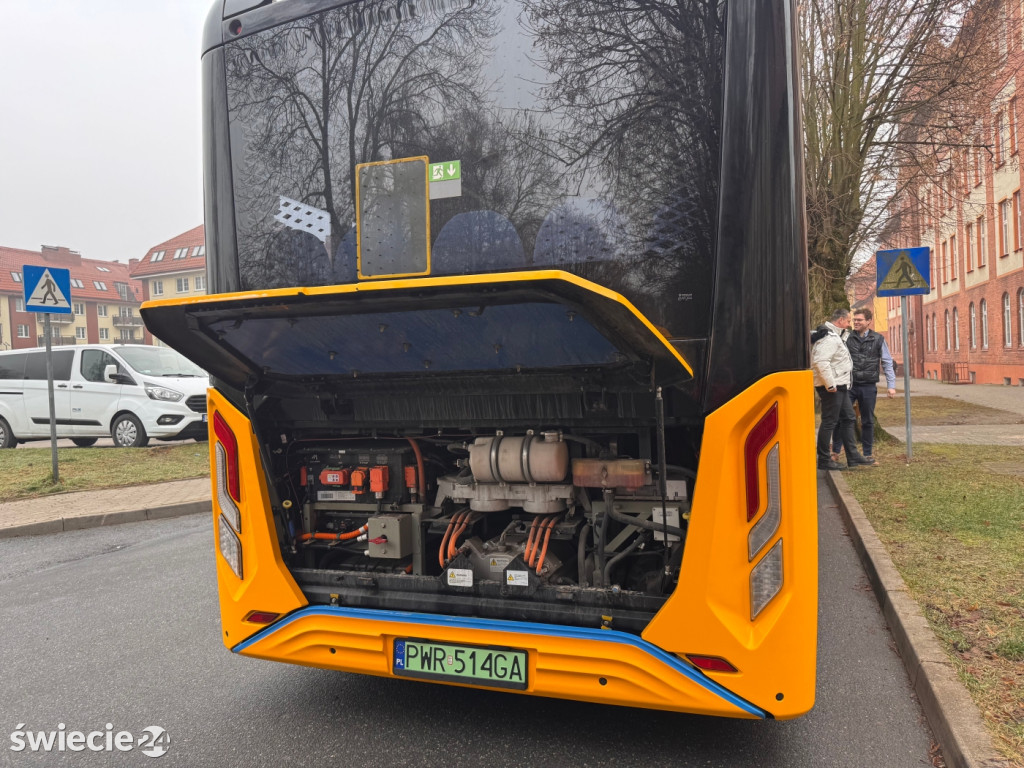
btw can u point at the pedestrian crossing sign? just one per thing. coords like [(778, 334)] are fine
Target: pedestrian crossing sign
[(47, 289), (903, 272)]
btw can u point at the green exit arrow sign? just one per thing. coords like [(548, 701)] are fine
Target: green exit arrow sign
[(446, 171)]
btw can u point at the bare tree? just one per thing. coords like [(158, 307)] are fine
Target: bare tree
[(891, 91), (353, 85)]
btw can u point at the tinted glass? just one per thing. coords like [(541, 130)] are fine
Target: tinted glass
[(94, 362), (35, 365), (587, 136), (12, 366)]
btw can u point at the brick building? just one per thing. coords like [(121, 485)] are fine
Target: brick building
[(104, 301), (173, 268), (970, 327)]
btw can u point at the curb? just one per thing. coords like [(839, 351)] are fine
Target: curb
[(113, 518), (951, 713)]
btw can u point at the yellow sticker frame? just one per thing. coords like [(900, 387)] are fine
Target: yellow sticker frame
[(358, 210)]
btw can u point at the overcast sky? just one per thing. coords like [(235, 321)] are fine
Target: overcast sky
[(100, 145)]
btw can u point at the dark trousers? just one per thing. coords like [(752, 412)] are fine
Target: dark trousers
[(865, 396), (836, 411)]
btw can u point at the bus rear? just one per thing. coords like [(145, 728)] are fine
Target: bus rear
[(508, 346)]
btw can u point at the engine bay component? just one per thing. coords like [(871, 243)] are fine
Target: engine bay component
[(526, 459), (491, 497), (628, 474)]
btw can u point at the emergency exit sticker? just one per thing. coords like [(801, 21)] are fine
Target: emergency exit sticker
[(447, 171)]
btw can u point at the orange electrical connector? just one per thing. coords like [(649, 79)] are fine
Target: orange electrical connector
[(358, 478), (379, 479), (334, 477)]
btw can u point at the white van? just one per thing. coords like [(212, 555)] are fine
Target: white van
[(130, 392)]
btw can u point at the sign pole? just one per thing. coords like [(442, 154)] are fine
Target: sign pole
[(906, 375), (49, 388), (904, 272), (48, 290)]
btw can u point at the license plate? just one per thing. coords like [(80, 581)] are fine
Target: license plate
[(478, 665)]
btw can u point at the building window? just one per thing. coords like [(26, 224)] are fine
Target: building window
[(1011, 112), (19, 304), (16, 276), (1001, 138), (1020, 317), (984, 324), (931, 267), (956, 329), (199, 250), (100, 285), (123, 291), (76, 283), (181, 253), (982, 244), (104, 334), (79, 332), (127, 334), (1007, 325), (972, 328), (158, 287), (949, 343), (79, 309), (969, 252), (158, 256), (1004, 222), (945, 261), (954, 257), (182, 285), (200, 282), (22, 331), (1016, 221), (102, 269), (101, 310)]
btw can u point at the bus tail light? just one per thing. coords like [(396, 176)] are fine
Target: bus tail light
[(226, 467), (261, 617), (759, 437), (768, 524), (766, 580), (711, 663), (766, 576), (230, 545)]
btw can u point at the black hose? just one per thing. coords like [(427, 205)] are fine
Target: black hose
[(611, 563), (601, 537), (581, 555), (650, 525)]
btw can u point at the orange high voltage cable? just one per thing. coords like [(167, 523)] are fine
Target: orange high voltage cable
[(547, 537)]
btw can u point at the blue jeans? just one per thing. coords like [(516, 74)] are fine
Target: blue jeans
[(865, 395)]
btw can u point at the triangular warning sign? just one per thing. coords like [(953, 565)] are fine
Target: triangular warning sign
[(903, 274)]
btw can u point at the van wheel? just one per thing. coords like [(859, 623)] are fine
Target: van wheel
[(83, 442), (127, 432), (6, 437)]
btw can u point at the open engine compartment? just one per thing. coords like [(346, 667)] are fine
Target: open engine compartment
[(534, 525)]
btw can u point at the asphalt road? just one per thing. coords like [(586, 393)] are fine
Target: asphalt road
[(119, 625)]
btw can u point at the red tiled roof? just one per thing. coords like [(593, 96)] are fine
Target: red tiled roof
[(167, 263), (85, 270)]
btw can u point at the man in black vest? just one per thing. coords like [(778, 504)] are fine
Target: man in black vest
[(868, 351)]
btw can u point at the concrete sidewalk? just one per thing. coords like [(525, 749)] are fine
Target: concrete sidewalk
[(86, 509), (1009, 399)]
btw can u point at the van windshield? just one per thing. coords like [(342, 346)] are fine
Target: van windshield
[(159, 361)]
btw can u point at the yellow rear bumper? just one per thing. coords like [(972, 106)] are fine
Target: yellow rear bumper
[(603, 666)]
